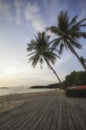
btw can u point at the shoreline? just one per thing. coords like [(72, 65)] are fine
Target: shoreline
[(13, 100), (20, 91)]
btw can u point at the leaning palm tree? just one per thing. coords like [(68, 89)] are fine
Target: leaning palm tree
[(40, 50), (83, 60), (68, 33)]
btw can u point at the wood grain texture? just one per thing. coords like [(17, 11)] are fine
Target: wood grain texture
[(46, 113)]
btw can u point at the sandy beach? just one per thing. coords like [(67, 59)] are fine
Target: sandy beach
[(12, 100)]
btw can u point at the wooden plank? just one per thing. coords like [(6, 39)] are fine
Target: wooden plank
[(14, 118), (59, 122), (34, 118), (46, 113), (70, 123), (77, 121), (49, 116), (41, 117), (65, 125), (80, 115), (55, 115)]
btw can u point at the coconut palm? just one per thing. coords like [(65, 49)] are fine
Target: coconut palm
[(83, 60), (40, 50), (68, 33)]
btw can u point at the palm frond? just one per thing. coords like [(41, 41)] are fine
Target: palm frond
[(82, 34), (31, 53), (56, 55), (61, 48), (41, 61), (53, 29), (82, 25), (31, 45), (74, 43), (34, 59), (65, 44), (50, 57), (54, 49), (63, 21), (53, 41), (70, 47), (73, 21), (57, 42), (78, 24)]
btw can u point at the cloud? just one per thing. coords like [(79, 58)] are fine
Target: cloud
[(33, 15), (82, 5), (11, 12), (82, 13), (18, 6), (52, 9), (5, 11), (84, 46)]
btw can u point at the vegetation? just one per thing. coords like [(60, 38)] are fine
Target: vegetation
[(50, 86), (75, 79), (71, 81), (68, 33), (40, 50), (76, 92), (75, 84)]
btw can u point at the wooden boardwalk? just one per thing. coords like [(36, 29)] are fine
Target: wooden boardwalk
[(46, 113)]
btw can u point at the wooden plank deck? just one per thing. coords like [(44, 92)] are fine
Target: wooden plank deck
[(46, 113)]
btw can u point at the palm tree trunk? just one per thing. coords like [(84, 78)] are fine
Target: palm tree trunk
[(79, 60), (54, 72)]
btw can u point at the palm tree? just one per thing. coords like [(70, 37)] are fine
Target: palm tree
[(40, 50), (83, 60), (68, 32)]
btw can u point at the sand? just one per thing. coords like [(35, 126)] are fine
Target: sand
[(13, 100)]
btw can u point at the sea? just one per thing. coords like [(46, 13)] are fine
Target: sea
[(17, 90)]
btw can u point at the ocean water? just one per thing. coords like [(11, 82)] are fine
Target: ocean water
[(14, 90)]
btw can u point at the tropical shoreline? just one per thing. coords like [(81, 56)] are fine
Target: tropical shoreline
[(12, 100)]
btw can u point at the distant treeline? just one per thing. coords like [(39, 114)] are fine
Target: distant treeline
[(75, 79), (51, 86), (4, 88)]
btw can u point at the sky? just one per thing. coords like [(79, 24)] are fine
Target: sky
[(20, 20)]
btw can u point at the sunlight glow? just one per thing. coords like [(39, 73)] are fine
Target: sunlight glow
[(19, 22)]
